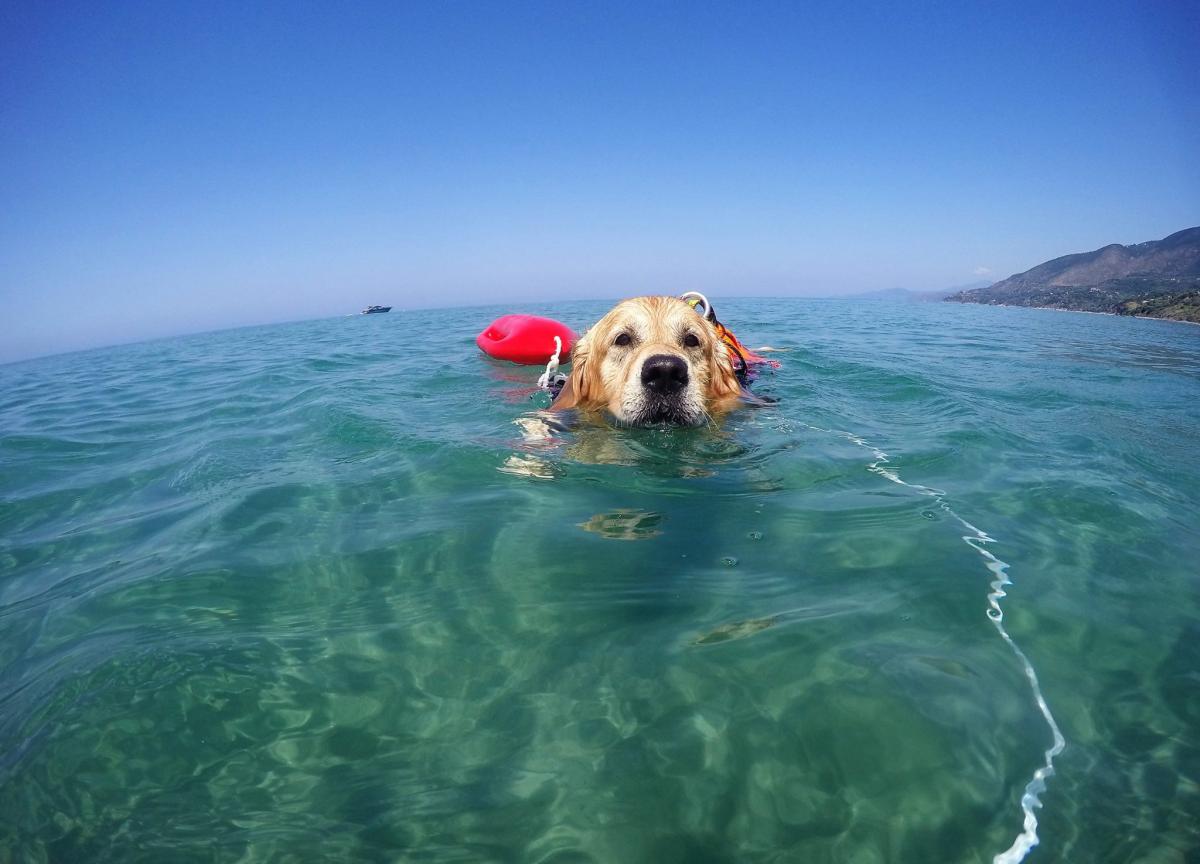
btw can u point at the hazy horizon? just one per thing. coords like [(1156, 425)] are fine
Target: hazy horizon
[(516, 306), (172, 169)]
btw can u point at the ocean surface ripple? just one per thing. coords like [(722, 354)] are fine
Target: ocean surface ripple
[(306, 592)]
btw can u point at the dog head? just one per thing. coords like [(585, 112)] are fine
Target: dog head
[(651, 360)]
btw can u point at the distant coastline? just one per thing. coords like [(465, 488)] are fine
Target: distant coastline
[(1158, 279), (1084, 312)]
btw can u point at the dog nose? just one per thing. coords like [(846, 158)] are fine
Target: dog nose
[(664, 374)]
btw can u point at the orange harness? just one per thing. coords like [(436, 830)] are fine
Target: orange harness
[(740, 357)]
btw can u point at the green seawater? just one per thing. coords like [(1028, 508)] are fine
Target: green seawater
[(331, 591)]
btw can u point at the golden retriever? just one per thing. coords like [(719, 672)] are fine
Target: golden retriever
[(650, 361)]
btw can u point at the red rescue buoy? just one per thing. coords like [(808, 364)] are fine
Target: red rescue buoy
[(525, 339)]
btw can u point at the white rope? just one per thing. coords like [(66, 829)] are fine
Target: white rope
[(977, 540), (551, 366)]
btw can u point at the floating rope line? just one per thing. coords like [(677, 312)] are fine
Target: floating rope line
[(978, 540)]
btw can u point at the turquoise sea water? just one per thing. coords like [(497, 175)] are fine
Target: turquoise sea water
[(306, 593)]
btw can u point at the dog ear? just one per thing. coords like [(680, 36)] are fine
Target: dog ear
[(722, 382), (578, 386)]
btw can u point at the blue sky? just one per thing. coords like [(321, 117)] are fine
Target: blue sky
[(169, 167)]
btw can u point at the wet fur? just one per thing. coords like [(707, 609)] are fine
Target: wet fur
[(607, 377)]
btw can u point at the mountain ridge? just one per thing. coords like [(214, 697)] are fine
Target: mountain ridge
[(1155, 278), (914, 295)]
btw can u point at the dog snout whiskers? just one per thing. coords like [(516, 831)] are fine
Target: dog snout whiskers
[(664, 374)]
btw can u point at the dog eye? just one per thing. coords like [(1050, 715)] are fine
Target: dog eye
[(691, 340), (623, 340)]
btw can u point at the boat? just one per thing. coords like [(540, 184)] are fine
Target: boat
[(373, 309)]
